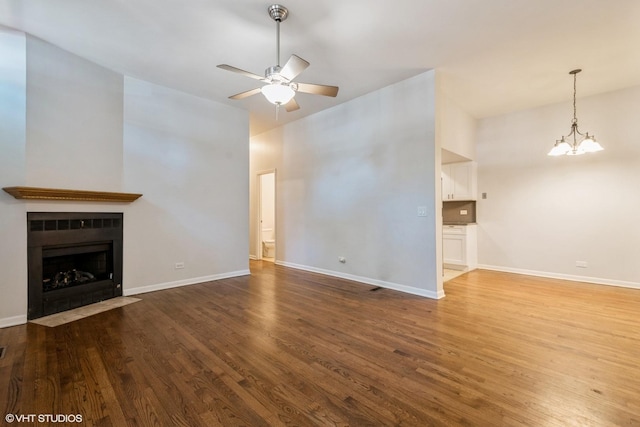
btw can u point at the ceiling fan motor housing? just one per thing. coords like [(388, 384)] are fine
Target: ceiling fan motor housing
[(273, 75)]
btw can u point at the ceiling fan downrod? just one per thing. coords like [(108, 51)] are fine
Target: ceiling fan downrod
[(278, 13)]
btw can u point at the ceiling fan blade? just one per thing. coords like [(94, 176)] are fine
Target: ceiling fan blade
[(291, 105), (239, 71), (294, 66), (318, 89), (246, 94)]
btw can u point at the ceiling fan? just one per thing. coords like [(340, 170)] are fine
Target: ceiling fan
[(280, 88)]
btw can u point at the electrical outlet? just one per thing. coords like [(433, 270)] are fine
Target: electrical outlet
[(581, 264), (179, 265), (342, 259), (422, 211), (463, 212)]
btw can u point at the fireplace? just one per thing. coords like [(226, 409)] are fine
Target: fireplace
[(74, 259)]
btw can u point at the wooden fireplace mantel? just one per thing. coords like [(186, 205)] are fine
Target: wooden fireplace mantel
[(36, 193)]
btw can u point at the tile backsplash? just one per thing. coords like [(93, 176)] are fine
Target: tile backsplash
[(451, 212)]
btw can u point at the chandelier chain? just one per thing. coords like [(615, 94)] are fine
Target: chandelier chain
[(575, 117)]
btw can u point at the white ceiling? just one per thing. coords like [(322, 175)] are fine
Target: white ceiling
[(496, 56)]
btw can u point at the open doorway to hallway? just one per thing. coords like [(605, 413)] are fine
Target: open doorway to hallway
[(267, 217)]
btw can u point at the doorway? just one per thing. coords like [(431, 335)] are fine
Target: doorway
[(267, 216)]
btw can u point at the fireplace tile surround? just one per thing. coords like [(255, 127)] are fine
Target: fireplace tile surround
[(74, 259)]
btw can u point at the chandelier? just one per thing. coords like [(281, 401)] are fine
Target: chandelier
[(569, 145)]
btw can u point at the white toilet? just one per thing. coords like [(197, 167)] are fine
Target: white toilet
[(268, 243)]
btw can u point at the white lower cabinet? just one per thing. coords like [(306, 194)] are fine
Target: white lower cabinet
[(460, 247), (454, 249)]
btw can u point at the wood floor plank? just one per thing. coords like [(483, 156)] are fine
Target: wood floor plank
[(287, 347)]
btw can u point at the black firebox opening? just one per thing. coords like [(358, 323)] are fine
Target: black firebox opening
[(76, 265)]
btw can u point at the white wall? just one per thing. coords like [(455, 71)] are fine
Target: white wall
[(542, 214), (350, 180), (456, 129), (74, 126), (13, 241), (190, 158), (187, 155)]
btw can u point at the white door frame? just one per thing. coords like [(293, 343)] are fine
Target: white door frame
[(275, 214)]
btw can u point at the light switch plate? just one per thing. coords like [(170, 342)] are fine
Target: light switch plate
[(422, 211)]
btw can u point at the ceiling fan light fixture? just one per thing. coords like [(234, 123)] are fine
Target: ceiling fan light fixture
[(277, 93)]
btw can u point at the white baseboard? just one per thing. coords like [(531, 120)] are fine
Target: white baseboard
[(387, 285), (186, 282), (561, 276), (253, 257), (13, 321)]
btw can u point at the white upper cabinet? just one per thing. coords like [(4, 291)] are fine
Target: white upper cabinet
[(459, 181)]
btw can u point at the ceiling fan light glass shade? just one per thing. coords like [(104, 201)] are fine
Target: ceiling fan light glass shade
[(589, 145), (278, 94), (560, 148)]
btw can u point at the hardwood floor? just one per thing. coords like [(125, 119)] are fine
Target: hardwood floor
[(285, 347)]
